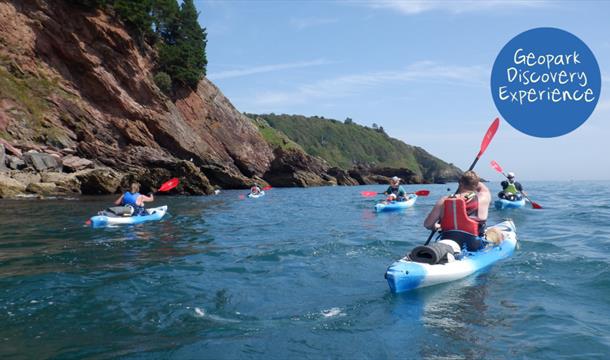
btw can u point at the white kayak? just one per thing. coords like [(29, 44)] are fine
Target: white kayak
[(404, 275), (254, 196), (396, 205), (153, 214)]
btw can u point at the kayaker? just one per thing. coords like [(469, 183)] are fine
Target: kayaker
[(511, 190), (461, 217), (255, 190), (134, 199), (396, 189)]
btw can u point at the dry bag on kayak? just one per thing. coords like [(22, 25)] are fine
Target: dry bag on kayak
[(126, 210), (437, 253)]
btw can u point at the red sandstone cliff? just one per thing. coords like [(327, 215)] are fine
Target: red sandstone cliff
[(75, 81)]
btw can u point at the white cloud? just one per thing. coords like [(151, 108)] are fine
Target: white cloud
[(412, 7), (265, 69), (304, 23), (347, 85)]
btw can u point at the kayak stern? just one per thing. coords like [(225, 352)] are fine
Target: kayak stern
[(405, 275)]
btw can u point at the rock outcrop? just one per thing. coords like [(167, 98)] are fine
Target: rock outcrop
[(292, 167)]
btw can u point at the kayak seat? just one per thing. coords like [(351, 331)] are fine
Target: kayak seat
[(465, 240)]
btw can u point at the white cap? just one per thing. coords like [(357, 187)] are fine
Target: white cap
[(511, 174), (395, 178)]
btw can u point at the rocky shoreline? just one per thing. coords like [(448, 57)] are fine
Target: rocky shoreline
[(38, 171)]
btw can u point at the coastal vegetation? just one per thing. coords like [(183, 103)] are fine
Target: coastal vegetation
[(348, 144), (172, 28)]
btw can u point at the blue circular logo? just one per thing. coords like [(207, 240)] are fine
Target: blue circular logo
[(546, 82)]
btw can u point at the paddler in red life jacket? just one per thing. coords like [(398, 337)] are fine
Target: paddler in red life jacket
[(462, 216), (134, 199)]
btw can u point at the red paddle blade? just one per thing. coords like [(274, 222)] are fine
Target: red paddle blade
[(170, 184), (496, 166), (489, 136), (88, 222), (267, 188), (242, 196), (422, 193), (535, 205), (369, 193)]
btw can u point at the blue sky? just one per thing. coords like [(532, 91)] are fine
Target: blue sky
[(420, 69)]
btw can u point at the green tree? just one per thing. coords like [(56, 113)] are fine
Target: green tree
[(166, 20), (163, 81), (136, 13), (182, 54)]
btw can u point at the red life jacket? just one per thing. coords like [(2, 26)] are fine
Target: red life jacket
[(455, 216)]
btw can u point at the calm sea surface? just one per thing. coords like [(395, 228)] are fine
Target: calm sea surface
[(298, 274)]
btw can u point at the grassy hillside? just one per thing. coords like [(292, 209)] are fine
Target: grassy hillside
[(346, 145), (274, 137)]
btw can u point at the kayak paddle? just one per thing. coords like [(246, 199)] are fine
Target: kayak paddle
[(489, 135), (498, 168), (374, 193), (169, 184)]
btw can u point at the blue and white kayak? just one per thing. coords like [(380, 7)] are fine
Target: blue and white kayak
[(507, 204), (404, 275), (396, 205), (154, 214), (254, 196)]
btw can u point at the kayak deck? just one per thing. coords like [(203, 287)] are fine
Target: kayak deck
[(396, 205), (404, 275), (105, 220)]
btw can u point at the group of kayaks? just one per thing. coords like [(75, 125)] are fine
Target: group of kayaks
[(105, 218), (402, 275)]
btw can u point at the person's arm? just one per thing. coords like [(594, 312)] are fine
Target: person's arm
[(484, 198), (145, 198), (388, 191), (119, 201), (504, 184), (402, 192), (435, 214)]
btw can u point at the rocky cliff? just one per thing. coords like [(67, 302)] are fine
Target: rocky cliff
[(80, 113), (76, 94)]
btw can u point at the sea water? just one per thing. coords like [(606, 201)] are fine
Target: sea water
[(298, 273)]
